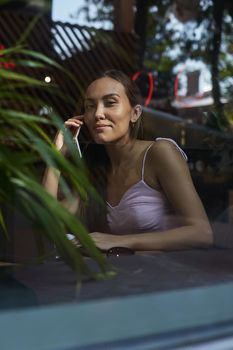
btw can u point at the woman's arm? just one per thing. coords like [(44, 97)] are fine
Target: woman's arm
[(174, 177), (52, 175)]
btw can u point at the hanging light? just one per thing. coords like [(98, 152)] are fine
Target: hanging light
[(47, 79)]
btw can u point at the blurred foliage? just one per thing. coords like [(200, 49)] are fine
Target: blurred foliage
[(95, 11), (168, 41), (24, 147), (216, 121), (43, 5)]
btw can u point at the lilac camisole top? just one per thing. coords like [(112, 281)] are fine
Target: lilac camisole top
[(141, 208)]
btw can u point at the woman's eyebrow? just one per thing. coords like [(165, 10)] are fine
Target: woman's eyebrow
[(111, 95), (114, 94)]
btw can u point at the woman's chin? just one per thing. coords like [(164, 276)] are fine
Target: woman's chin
[(101, 140)]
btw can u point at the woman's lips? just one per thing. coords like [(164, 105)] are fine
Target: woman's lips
[(101, 127)]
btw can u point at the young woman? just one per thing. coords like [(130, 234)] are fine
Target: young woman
[(140, 181)]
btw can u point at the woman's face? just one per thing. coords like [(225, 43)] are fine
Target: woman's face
[(108, 112)]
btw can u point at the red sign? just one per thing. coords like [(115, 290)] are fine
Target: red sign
[(151, 85)]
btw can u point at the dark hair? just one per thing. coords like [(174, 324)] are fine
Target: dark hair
[(97, 160)]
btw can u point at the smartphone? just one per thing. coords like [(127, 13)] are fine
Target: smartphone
[(77, 142)]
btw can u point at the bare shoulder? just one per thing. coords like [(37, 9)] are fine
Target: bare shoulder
[(164, 148), (167, 155)]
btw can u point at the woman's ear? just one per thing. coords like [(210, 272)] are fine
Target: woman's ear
[(136, 113)]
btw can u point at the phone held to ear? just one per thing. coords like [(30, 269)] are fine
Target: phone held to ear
[(77, 142)]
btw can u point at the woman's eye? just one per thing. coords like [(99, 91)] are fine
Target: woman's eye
[(110, 103), (89, 106)]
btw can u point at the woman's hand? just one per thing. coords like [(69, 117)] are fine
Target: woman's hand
[(105, 241), (73, 124)]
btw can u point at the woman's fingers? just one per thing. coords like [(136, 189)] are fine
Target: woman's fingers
[(75, 122)]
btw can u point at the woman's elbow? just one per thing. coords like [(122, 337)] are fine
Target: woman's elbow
[(204, 235)]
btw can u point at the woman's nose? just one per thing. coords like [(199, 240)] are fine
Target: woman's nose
[(99, 112)]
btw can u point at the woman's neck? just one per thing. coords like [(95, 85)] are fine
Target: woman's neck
[(120, 154)]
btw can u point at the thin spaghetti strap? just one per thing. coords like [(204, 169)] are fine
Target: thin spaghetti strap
[(175, 144), (144, 159)]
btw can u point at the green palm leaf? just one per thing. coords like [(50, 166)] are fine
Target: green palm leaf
[(24, 144)]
